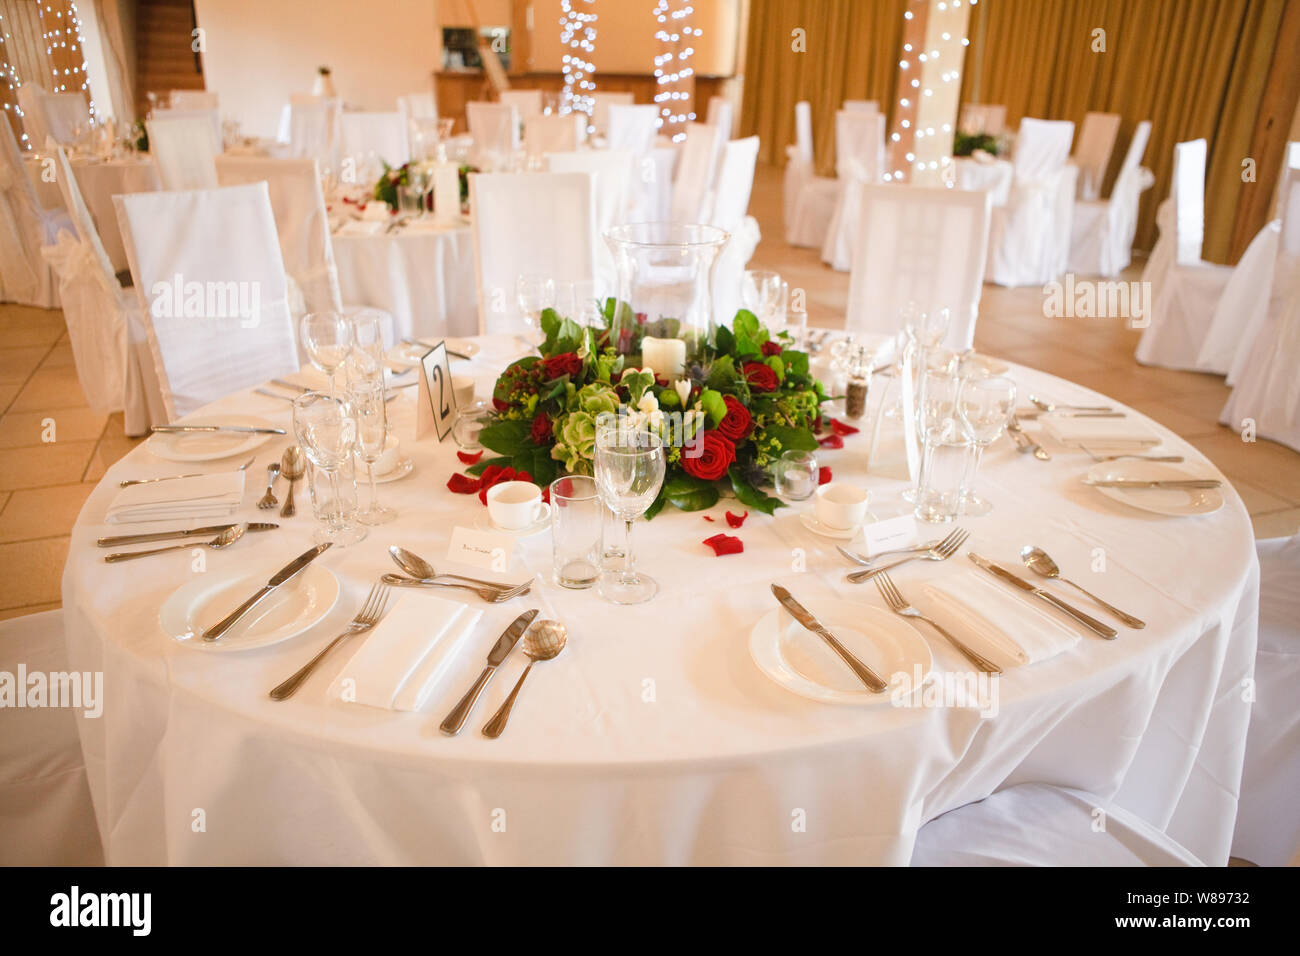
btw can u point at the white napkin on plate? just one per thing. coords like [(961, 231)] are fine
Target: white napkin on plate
[(996, 621), (401, 661), (1108, 432), (205, 496)]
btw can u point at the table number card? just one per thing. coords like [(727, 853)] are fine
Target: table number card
[(489, 550), (436, 404)]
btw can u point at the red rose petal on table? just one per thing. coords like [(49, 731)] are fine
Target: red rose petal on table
[(840, 428), (831, 441), (824, 475), (736, 520), (463, 484), (546, 494), (725, 544), (469, 458), (707, 518)]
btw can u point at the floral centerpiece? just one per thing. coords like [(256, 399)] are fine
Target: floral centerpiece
[(965, 144), (725, 419), (394, 176)]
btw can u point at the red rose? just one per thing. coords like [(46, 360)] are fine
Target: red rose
[(711, 457), (725, 544), (737, 423), (499, 405), (540, 433), (760, 377), (566, 363), (771, 348), (494, 475), (463, 484)]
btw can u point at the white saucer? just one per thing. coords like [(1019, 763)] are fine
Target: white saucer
[(397, 473), (839, 534), (484, 522), (1174, 502)]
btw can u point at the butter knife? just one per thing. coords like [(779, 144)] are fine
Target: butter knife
[(809, 621), (240, 429), (455, 720), (1163, 483), (113, 540), (1087, 621), (281, 576)]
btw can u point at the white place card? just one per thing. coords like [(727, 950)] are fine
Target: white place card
[(489, 550), (890, 533), (436, 403)]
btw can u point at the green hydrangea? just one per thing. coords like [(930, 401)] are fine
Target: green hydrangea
[(575, 441)]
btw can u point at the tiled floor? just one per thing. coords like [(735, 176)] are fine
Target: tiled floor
[(44, 483)]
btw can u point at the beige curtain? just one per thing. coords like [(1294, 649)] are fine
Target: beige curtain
[(34, 59)]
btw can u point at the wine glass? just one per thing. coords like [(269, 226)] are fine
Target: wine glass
[(370, 409), (326, 430), (535, 293), (629, 472), (328, 338), (765, 294), (984, 406), (368, 343)]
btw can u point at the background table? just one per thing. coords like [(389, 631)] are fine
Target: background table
[(654, 738), (992, 177)]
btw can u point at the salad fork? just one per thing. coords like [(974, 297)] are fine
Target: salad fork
[(871, 561), (898, 604), (942, 551), (371, 611)]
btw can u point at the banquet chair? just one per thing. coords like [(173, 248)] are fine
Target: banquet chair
[(418, 105), (729, 213), (721, 113), (600, 104), (612, 171), (696, 173), (420, 118), (185, 152), (1029, 237), (809, 199), (919, 246), (46, 814), (194, 100), (495, 129), (527, 103), (223, 243), (1092, 152), (1034, 824), (554, 133), (1102, 230), (25, 226), (632, 127), (982, 118), (313, 130), (1268, 821), (861, 106), (859, 161), (510, 211), (1185, 289), (56, 115), (365, 137), (210, 116)]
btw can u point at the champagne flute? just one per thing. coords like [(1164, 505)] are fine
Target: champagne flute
[(368, 343), (326, 430), (328, 338), (629, 472), (984, 406), (369, 408), (535, 293)]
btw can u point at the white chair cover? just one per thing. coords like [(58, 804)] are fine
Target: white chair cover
[(1034, 824), (510, 211), (1029, 237), (1092, 154), (633, 128), (861, 106), (1268, 820), (222, 245), (1102, 231), (24, 228), (381, 135), (495, 128), (194, 100), (982, 118), (1185, 290), (1290, 170), (859, 161), (56, 115), (209, 116), (730, 204), (809, 199), (527, 103), (721, 113), (612, 171), (600, 104), (553, 133), (314, 130), (696, 172), (1242, 309), (418, 105), (922, 246), (46, 814), (185, 150)]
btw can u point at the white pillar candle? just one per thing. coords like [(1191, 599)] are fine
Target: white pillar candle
[(665, 357), (446, 192)]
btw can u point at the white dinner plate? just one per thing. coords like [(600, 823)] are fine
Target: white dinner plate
[(291, 609), (804, 664), (1175, 502), (210, 446)]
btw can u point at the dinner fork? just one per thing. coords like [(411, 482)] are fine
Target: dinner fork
[(493, 595), (869, 562), (371, 611), (898, 604), (1096, 457), (269, 500), (942, 551)]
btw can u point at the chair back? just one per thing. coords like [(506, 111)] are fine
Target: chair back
[(556, 133), (185, 150), (1188, 194), (633, 128), (721, 113), (600, 104), (1042, 149), (495, 128), (1092, 153), (527, 103), (365, 137), (696, 172)]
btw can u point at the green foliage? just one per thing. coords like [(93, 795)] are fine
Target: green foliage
[(750, 496), (713, 405), (688, 493)]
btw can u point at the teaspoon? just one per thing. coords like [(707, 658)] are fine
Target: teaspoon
[(223, 540), (544, 640), (1038, 561)]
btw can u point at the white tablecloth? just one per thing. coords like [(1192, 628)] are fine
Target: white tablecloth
[(424, 277), (654, 738), (99, 183), (992, 177)]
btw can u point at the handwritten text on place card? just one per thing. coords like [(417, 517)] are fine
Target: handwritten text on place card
[(890, 533), (489, 550)]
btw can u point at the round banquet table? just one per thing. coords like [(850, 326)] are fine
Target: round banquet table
[(654, 739), (423, 275), (991, 176)]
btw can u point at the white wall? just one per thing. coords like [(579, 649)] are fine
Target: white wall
[(260, 52)]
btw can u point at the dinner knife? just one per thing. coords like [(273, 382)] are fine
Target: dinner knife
[(281, 576), (1162, 483), (809, 621), (241, 429), (1086, 620), (116, 539), (455, 720)]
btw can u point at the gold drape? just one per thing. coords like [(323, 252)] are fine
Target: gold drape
[(33, 58), (850, 51), (1195, 68)]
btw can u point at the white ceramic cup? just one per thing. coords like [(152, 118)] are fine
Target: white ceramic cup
[(515, 505), (388, 460), (841, 506), (463, 387)]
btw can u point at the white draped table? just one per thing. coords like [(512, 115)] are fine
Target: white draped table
[(992, 176), (653, 738)]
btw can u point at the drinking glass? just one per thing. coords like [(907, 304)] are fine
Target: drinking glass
[(796, 475), (985, 406), (410, 200), (765, 294), (326, 430), (370, 408), (328, 338), (944, 464), (576, 513), (535, 294), (470, 420), (629, 473), (368, 343)]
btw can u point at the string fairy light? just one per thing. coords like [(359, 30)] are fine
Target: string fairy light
[(9, 76), (578, 33), (65, 34), (672, 72)]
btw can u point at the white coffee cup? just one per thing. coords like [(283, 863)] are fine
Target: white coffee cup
[(515, 505), (463, 387), (840, 505), (388, 460)]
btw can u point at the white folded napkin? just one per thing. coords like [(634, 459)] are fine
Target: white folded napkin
[(205, 496), (363, 227), (401, 661), (996, 621), (1098, 431), (377, 211)]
